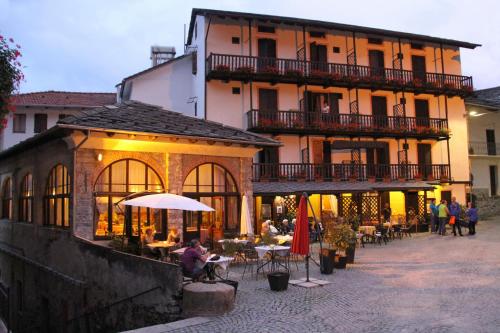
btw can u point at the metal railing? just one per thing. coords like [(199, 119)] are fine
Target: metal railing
[(297, 121), (239, 67), (484, 148), (348, 171)]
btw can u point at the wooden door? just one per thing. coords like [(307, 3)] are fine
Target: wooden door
[(376, 61), (424, 159), (422, 113), (418, 67), (490, 142), (379, 111), (318, 57), (267, 53)]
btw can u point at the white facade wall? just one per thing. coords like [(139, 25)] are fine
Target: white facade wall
[(8, 138)]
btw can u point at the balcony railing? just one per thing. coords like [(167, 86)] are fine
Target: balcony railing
[(484, 148), (244, 68), (297, 122), (350, 171)]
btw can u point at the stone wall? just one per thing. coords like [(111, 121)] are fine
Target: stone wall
[(487, 206)]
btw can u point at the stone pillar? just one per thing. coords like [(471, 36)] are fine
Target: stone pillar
[(175, 181)]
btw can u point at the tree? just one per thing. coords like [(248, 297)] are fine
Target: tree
[(11, 76)]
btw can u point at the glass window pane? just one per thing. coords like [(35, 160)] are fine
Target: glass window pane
[(59, 208), (137, 176), (219, 179), (192, 221), (66, 212), (118, 217), (101, 213), (190, 182), (154, 182), (51, 211), (119, 177), (231, 186), (205, 177), (232, 213)]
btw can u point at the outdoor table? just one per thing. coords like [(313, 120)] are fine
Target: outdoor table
[(387, 224), (367, 229), (223, 262), (283, 239), (161, 246), (182, 249), (237, 241), (272, 250)]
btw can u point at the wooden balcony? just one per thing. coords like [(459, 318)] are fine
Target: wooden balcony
[(297, 122), (275, 70), (351, 171)]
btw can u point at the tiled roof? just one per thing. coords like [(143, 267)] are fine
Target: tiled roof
[(65, 98), (322, 24), (132, 116), (276, 188), (486, 97)]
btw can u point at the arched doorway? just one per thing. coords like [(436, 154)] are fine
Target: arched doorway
[(118, 180), (213, 185)]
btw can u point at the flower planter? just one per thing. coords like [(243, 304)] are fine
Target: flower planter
[(340, 261), (349, 253), (278, 281), (327, 261)]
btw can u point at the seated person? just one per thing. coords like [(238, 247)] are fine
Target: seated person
[(172, 235), (191, 260), (264, 229), (273, 229), (292, 225), (149, 237), (285, 227)]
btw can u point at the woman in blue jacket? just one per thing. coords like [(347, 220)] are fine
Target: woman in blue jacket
[(472, 215)]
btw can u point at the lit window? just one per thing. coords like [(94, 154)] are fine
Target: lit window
[(26, 199), (118, 180), (7, 199), (57, 195)]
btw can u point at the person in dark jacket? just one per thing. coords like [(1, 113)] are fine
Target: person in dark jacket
[(455, 209), (473, 217)]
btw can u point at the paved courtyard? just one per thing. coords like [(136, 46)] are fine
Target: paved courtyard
[(426, 283)]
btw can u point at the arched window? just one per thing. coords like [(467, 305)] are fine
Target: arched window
[(56, 199), (26, 199), (118, 180), (7, 199), (214, 186)]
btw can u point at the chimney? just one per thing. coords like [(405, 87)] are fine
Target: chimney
[(161, 54)]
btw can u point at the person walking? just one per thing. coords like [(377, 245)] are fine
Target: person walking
[(455, 210), (473, 217), (443, 214), (434, 216)]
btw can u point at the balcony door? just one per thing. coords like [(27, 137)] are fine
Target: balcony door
[(422, 112), (424, 159), (267, 54), (376, 61), (379, 111), (490, 142), (318, 57), (268, 106), (418, 67), (377, 161)]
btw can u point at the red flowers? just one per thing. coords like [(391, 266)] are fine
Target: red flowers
[(11, 74)]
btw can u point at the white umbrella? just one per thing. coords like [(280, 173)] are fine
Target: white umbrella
[(246, 227), (168, 201)]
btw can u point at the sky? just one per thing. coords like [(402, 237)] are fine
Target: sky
[(90, 45)]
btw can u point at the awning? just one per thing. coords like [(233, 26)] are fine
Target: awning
[(278, 188)]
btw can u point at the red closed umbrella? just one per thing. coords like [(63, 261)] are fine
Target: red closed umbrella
[(300, 243)]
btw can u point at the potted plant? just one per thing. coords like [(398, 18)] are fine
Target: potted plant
[(327, 255), (351, 249), (339, 237)]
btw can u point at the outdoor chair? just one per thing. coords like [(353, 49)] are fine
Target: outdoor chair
[(405, 229), (249, 256)]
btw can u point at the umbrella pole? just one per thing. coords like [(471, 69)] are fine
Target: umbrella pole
[(317, 230), (307, 268)]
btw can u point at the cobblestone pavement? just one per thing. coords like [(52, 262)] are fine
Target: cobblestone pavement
[(427, 283)]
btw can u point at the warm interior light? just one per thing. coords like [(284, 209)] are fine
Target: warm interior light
[(99, 157), (473, 113)]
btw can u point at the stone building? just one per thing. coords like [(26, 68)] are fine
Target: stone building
[(38, 111), (60, 192), (484, 150)]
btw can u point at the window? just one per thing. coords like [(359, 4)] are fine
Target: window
[(62, 116), (266, 29), (375, 40), (214, 186), (40, 122), (56, 199), (235, 40), (336, 49), (26, 199), (7, 199), (493, 180), (236, 90), (19, 123), (117, 181), (317, 34), (417, 46)]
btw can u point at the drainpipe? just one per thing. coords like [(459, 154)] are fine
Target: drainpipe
[(446, 110)]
